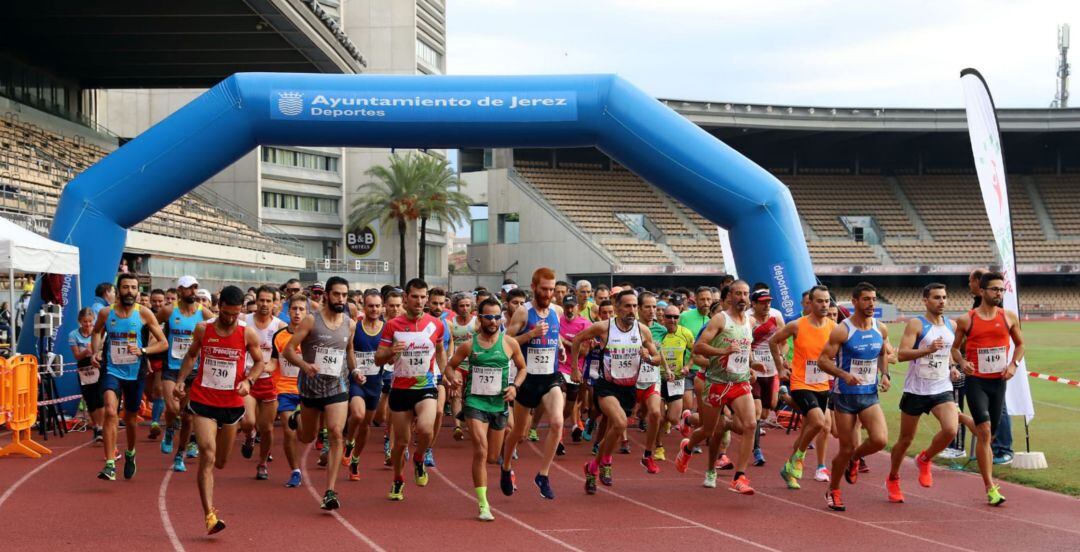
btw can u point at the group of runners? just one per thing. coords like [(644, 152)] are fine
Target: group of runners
[(714, 365)]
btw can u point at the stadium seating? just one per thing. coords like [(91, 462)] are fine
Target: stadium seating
[(634, 251), (1061, 195), (842, 252), (823, 199), (36, 164)]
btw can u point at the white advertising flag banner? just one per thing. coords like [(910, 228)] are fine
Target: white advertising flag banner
[(990, 167)]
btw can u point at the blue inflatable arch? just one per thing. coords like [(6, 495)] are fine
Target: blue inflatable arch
[(250, 109)]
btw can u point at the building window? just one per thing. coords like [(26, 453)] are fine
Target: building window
[(509, 224), (479, 227), (300, 159), (428, 55), (277, 200), (432, 265)]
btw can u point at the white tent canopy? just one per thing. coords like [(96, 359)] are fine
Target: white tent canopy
[(24, 251)]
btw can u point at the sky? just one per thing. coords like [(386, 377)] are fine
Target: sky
[(810, 52)]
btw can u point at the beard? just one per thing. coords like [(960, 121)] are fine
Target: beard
[(189, 299), (337, 307), (127, 300), (490, 330)]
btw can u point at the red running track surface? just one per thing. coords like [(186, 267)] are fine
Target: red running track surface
[(57, 501)]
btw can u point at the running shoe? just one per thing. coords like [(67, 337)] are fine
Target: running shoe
[(684, 423), (129, 464), (586, 433), (659, 453), (320, 443), (605, 475), (595, 448), (507, 482), (192, 450), (108, 473), (397, 491), (533, 436), (459, 434), (724, 463), (682, 460), (796, 468), (155, 430), (590, 480), (330, 501), (485, 514), (178, 463), (349, 446), (420, 476), (248, 447), (650, 464), (926, 477), (710, 479), (167, 442), (575, 434), (952, 453), (295, 480), (863, 468), (833, 500), (98, 437), (892, 485), (1003, 459), (213, 524), (641, 424), (759, 457), (851, 474), (386, 459), (560, 450), (789, 478), (262, 473), (514, 456), (741, 486), (429, 458), (293, 419), (354, 469), (994, 496), (624, 446), (324, 458), (822, 474), (544, 484)]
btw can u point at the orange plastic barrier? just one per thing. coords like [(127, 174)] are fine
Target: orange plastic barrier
[(5, 391), (20, 379)]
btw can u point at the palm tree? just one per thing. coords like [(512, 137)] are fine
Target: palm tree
[(394, 194), (439, 198)]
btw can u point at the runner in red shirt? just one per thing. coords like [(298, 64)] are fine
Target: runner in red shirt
[(221, 347)]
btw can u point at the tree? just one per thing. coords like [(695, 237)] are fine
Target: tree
[(394, 193), (438, 198)]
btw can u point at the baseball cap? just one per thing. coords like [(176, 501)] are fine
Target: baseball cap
[(760, 295), (506, 288), (569, 299), (187, 281), (205, 294), (316, 287)]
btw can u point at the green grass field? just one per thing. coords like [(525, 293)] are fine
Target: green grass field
[(1052, 348)]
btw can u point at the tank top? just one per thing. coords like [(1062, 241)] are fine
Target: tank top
[(222, 361), (988, 345), (487, 376), (859, 356), (462, 333), (762, 333), (179, 329), (364, 346), (120, 334), (810, 341), (541, 353), (929, 375), (324, 349), (733, 368), (266, 343), (622, 356), (286, 372)]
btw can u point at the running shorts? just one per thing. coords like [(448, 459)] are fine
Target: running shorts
[(370, 391), (534, 388), (852, 403), (91, 394), (320, 403), (570, 388), (643, 394), (763, 390), (494, 420), (985, 398), (806, 400), (264, 390), (668, 398), (131, 391), (625, 394), (723, 394), (287, 402), (223, 416), (918, 405), (405, 400)]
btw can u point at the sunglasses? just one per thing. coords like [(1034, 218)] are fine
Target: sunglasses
[(490, 316), (292, 290), (671, 316)]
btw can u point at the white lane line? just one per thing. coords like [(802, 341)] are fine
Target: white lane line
[(531, 528), (163, 509), (659, 527), (1056, 405), (660, 511), (15, 486), (341, 519)]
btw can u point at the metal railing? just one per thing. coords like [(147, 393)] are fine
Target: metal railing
[(357, 266)]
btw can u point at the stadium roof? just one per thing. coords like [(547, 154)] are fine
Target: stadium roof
[(865, 119), (193, 43)]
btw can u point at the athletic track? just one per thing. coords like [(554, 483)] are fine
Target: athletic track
[(57, 502)]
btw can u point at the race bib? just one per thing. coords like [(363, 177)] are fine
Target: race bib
[(414, 362), (992, 360), (219, 374), (624, 362), (594, 368), (865, 370), (268, 370), (120, 354), (738, 362), (648, 373), (934, 367), (88, 375), (180, 346), (541, 360), (288, 369), (675, 387), (764, 357), (365, 362), (328, 361), (485, 381), (814, 374)]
